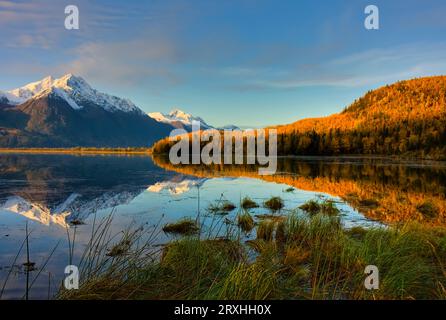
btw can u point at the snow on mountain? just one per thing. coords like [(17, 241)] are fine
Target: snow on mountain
[(175, 188), (74, 90), (34, 211), (74, 207), (177, 116)]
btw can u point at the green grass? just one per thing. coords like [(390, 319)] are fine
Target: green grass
[(265, 230), (310, 257)]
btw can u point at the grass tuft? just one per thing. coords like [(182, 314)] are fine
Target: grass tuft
[(314, 207), (311, 207), (248, 203), (274, 204), (184, 227), (265, 230), (221, 207), (245, 221)]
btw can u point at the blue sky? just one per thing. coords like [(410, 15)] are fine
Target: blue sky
[(244, 62)]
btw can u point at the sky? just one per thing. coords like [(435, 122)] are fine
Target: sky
[(250, 63)]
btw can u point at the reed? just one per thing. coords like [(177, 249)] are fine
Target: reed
[(245, 221)]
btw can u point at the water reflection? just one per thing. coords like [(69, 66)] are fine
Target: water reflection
[(176, 187), (35, 212), (52, 191), (382, 189), (55, 188)]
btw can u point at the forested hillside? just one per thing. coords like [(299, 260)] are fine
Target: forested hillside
[(407, 117)]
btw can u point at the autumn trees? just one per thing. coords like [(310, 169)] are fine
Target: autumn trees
[(406, 118)]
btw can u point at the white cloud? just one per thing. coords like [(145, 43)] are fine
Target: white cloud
[(367, 68)]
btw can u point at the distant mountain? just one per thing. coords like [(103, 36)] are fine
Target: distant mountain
[(182, 120), (405, 118), (68, 112)]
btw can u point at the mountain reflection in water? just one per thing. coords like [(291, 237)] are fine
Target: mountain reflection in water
[(53, 191)]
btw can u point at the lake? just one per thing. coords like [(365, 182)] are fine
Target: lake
[(57, 196)]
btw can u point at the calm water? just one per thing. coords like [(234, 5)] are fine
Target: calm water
[(50, 191)]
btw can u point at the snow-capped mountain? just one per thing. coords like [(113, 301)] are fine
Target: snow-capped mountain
[(175, 187), (68, 112), (180, 119), (74, 90)]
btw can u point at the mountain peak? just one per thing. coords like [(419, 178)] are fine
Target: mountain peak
[(74, 89), (178, 116)]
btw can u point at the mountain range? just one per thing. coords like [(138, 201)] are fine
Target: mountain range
[(182, 120), (68, 112)]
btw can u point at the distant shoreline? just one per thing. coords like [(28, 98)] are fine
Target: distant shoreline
[(141, 151), (148, 151)]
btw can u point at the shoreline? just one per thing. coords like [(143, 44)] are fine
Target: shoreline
[(148, 151), (78, 151)]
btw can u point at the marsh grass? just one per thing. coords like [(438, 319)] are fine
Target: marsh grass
[(329, 207), (248, 203), (274, 204), (428, 209), (369, 203), (274, 217), (245, 221), (314, 207), (265, 230), (300, 257), (221, 207), (311, 206), (185, 226)]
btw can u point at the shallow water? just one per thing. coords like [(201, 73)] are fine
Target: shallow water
[(49, 191)]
